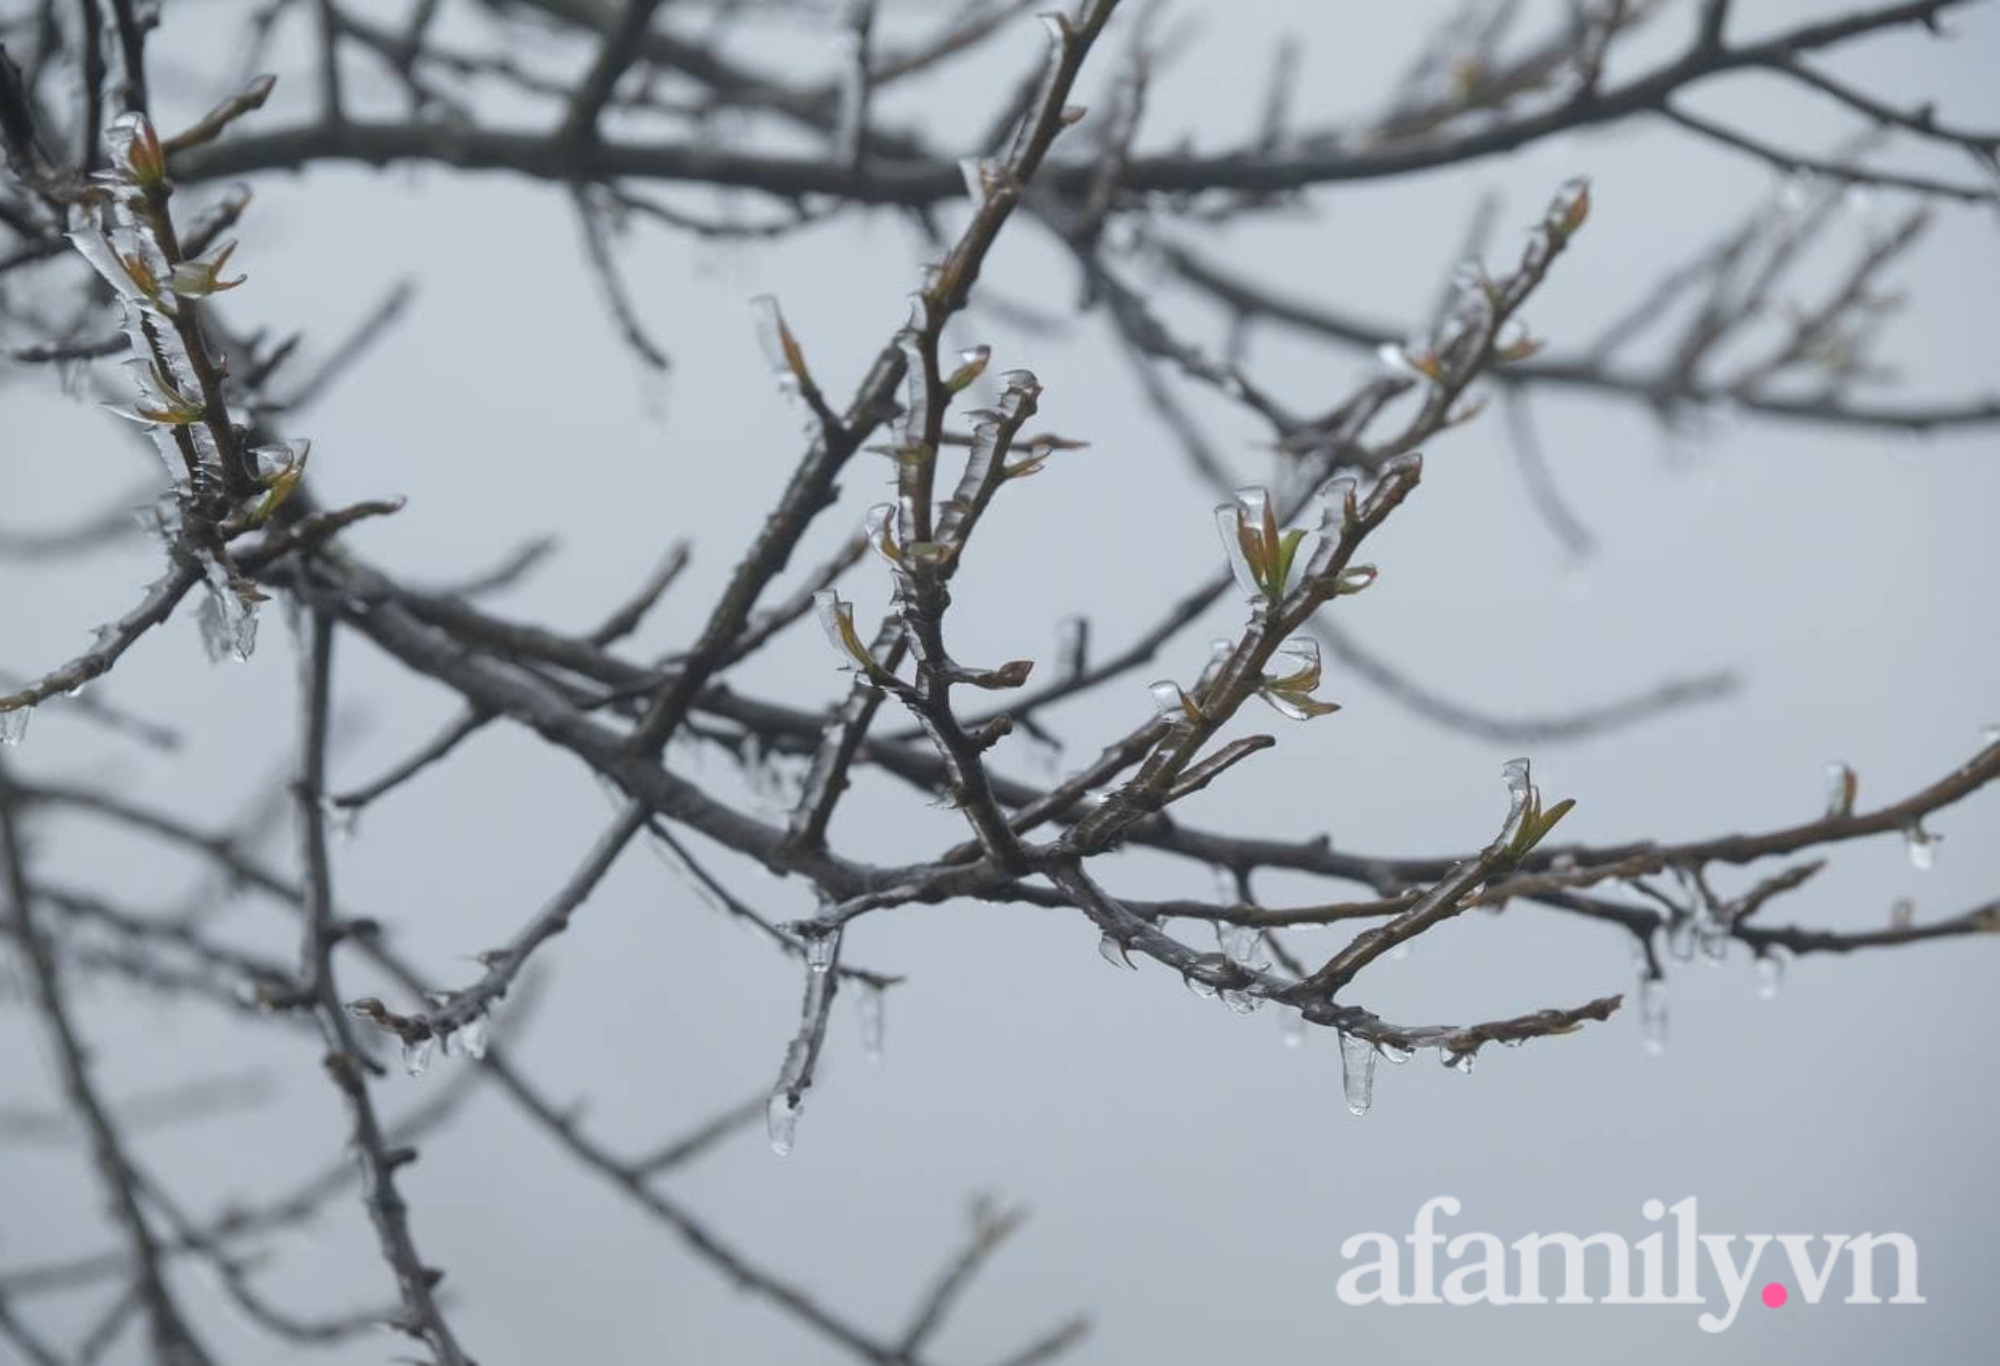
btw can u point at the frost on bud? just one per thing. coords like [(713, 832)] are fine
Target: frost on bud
[(201, 277), (836, 618), (279, 469), (1412, 361), (1569, 211), (781, 349), (1260, 553), (136, 151), (880, 525), (1353, 579), (1291, 692), (1175, 705), (1515, 342), (971, 365), (1527, 823)]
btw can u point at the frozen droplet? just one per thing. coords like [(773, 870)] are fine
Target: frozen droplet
[(1770, 976), (1680, 938), (1239, 943), (1841, 786), (1922, 846), (1357, 1072), (1653, 1014), (821, 949), (14, 725), (346, 822), (417, 1054), (1395, 358), (1205, 990), (1393, 1054), (1242, 1002), (471, 1037), (1172, 702), (1457, 1061), (1114, 952), (781, 1121), (1292, 1026), (868, 1004), (1902, 914)]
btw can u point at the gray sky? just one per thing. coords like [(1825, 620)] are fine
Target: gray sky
[(1192, 1179)]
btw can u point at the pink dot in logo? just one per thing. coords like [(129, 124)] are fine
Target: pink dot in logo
[(1774, 1296)]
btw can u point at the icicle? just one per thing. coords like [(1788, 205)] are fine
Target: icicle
[(14, 725), (1072, 647), (228, 616), (1114, 952), (868, 1004), (1770, 976), (1239, 943), (1653, 1014), (1357, 1072), (1922, 846), (1242, 1002), (781, 1121)]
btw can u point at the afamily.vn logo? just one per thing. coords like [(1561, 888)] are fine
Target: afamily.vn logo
[(1481, 1271)]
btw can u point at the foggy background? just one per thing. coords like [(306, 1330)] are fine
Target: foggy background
[(1191, 1178)]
